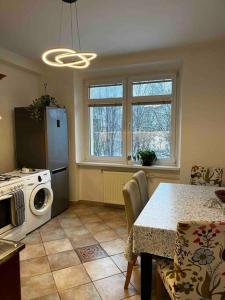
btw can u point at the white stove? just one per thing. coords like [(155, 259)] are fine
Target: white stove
[(7, 177), (8, 185), (14, 180)]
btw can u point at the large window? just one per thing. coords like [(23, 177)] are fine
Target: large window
[(129, 114)]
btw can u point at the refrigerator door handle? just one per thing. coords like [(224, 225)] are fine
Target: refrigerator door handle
[(59, 170)]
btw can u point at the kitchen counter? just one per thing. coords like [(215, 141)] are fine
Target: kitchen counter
[(8, 249)]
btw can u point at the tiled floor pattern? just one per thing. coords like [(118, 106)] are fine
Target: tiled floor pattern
[(78, 256)]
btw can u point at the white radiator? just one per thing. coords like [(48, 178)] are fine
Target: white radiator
[(113, 183)]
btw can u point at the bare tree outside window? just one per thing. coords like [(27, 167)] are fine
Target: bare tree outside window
[(106, 130), (151, 128), (151, 123), (106, 121)]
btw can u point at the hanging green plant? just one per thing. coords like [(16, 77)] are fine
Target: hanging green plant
[(38, 106)]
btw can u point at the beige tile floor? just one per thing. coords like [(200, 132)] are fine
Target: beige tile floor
[(52, 270)]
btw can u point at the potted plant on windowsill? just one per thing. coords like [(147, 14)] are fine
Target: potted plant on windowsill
[(146, 156)]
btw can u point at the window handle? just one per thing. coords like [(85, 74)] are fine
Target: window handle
[(128, 157)]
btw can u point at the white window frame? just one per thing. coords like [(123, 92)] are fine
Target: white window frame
[(155, 99), (102, 102), (127, 100)]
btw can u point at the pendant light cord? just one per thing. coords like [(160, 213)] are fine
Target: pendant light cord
[(77, 23), (60, 25), (71, 24)]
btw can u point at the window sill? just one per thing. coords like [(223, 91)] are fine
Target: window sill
[(124, 166)]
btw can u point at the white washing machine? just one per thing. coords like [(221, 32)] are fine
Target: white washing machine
[(39, 198)]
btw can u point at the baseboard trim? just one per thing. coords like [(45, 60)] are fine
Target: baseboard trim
[(74, 203)]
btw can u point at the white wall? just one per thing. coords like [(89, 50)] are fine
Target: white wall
[(19, 88), (23, 83), (203, 108), (202, 102)]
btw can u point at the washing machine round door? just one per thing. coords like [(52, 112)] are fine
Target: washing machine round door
[(41, 199)]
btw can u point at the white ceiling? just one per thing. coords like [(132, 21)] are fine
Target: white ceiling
[(110, 27)]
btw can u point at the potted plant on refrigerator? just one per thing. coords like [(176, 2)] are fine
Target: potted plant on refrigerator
[(38, 106)]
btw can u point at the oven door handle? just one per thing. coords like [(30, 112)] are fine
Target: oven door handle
[(5, 197)]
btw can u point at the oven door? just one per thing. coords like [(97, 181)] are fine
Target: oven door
[(5, 213)]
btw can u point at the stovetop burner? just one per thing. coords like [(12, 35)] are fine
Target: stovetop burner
[(5, 177)]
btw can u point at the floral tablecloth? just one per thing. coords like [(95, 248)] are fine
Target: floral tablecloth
[(155, 229)]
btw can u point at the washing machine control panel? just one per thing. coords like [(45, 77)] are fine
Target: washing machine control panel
[(44, 177), (38, 178)]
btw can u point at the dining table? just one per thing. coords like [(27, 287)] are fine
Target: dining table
[(154, 231)]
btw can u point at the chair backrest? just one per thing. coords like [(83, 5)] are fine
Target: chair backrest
[(142, 182), (199, 261), (206, 176), (133, 204)]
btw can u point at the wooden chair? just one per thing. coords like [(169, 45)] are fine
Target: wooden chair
[(133, 207), (142, 182), (198, 269), (206, 176)]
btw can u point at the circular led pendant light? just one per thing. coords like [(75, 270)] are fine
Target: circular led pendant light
[(63, 57)]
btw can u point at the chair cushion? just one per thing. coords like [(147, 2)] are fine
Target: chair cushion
[(198, 269), (206, 176), (142, 182)]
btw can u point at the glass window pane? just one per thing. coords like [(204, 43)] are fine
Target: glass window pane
[(106, 126), (152, 88), (151, 128), (106, 91)]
